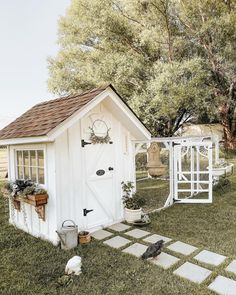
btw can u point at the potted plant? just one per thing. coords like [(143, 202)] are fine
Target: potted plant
[(132, 203), (84, 237), (28, 192), (37, 196)]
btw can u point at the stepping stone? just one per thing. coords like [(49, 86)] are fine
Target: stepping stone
[(210, 257), (182, 248), (117, 242), (192, 272), (164, 260), (119, 227), (154, 238), (232, 267), (137, 233), (101, 234), (223, 286), (135, 249)]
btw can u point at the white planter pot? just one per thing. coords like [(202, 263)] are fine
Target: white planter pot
[(229, 168), (218, 171), (132, 215)]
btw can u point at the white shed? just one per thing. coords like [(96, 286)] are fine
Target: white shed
[(51, 144)]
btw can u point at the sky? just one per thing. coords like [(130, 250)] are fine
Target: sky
[(28, 36)]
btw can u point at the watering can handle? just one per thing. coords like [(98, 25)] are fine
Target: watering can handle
[(70, 221)]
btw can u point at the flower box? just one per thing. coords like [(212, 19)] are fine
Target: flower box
[(36, 200)]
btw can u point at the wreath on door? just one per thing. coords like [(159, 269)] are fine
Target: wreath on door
[(96, 137)]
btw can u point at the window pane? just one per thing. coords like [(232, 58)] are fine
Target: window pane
[(40, 159), (32, 158), (41, 176), (19, 158), (20, 172), (26, 158), (33, 174), (26, 173)]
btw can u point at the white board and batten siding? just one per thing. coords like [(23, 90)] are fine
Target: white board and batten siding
[(77, 177), (77, 184), (31, 223)]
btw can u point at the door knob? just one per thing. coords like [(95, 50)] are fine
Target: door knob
[(110, 168)]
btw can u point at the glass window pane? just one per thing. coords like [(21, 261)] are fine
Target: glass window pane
[(33, 174), (41, 176), (20, 172), (19, 158), (26, 158), (40, 159), (32, 158), (26, 173)]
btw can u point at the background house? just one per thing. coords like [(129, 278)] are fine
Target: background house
[(51, 144), (203, 130)]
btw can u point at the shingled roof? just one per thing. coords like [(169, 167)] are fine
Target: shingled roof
[(45, 116)]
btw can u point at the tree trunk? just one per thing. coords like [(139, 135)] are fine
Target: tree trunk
[(230, 140)]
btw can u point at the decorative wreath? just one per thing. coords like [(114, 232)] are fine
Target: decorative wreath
[(95, 139)]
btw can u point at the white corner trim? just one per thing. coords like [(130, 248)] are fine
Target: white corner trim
[(25, 140)]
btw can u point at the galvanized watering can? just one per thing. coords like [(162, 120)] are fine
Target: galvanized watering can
[(68, 235)]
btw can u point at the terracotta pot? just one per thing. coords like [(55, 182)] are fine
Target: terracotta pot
[(84, 237), (132, 215)]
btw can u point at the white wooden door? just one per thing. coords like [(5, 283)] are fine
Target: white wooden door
[(99, 175), (192, 173)]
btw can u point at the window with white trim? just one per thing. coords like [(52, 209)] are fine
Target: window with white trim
[(30, 165)]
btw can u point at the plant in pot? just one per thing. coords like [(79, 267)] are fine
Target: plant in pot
[(84, 237), (132, 203), (35, 194)]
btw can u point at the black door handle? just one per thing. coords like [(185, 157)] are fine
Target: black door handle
[(110, 168)]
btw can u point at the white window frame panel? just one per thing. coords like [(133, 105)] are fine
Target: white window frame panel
[(32, 148)]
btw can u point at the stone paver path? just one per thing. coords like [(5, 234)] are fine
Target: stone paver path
[(210, 257), (232, 267), (135, 249), (117, 242), (154, 238), (192, 272), (137, 233), (164, 260), (223, 286), (119, 227), (182, 248), (101, 234)]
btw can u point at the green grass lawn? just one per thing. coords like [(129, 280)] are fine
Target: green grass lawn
[(31, 266)]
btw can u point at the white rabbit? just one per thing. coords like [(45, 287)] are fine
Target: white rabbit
[(74, 266)]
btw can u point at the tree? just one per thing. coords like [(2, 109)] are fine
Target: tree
[(172, 60)]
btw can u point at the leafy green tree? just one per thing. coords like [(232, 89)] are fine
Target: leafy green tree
[(172, 60)]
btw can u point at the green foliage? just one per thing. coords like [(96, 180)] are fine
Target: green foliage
[(172, 60), (29, 190), (131, 201)]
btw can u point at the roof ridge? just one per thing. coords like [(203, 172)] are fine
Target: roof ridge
[(72, 95)]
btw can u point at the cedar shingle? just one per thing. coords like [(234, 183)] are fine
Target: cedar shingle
[(45, 116)]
